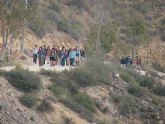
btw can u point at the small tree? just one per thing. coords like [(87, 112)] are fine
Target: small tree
[(108, 36), (12, 17), (137, 32)]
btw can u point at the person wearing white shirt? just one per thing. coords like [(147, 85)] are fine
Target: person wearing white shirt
[(35, 51)]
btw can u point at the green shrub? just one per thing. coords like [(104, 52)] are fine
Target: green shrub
[(127, 105), (24, 80), (68, 120), (56, 5), (104, 121), (116, 98), (147, 82), (28, 100), (159, 90), (63, 80), (60, 91), (70, 26), (93, 72), (130, 76), (135, 90), (84, 113), (38, 22), (45, 106), (81, 4), (53, 16), (32, 118), (127, 78), (158, 67), (85, 100), (47, 73), (84, 77)]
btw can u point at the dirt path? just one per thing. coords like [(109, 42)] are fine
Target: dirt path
[(36, 68)]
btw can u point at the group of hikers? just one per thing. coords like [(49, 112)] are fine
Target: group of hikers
[(127, 61), (58, 56)]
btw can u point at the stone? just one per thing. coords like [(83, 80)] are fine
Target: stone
[(161, 122), (157, 117), (19, 109)]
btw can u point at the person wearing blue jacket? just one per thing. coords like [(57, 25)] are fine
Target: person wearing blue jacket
[(72, 56)]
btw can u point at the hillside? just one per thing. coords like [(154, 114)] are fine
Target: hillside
[(100, 91), (69, 23)]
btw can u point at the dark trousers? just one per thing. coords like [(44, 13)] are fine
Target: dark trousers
[(35, 58), (71, 61), (63, 61)]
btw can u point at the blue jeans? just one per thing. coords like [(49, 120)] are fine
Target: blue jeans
[(71, 61), (63, 61)]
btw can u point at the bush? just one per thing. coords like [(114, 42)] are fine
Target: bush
[(116, 98), (62, 80), (158, 67), (47, 73), (56, 5), (60, 91), (68, 120), (81, 4), (135, 90), (147, 82), (127, 105), (24, 80), (84, 113), (132, 77), (53, 16), (127, 78), (28, 100), (70, 26), (159, 90), (45, 106), (86, 101), (38, 23), (93, 72), (84, 77)]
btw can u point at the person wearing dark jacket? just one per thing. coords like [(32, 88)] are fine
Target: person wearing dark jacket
[(123, 61), (40, 54)]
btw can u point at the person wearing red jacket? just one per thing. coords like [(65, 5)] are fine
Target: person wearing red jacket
[(138, 62)]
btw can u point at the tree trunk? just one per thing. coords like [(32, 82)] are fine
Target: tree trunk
[(99, 23), (22, 40)]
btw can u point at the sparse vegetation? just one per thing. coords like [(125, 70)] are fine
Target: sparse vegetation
[(24, 80), (127, 105), (158, 67), (84, 113), (159, 90), (127, 78), (81, 4), (28, 100), (85, 100), (68, 120), (135, 89), (92, 73), (32, 118), (45, 106)]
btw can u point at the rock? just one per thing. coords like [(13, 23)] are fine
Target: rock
[(161, 122), (157, 117), (7, 113), (10, 93), (19, 109)]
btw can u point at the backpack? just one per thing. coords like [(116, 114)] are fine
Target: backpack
[(77, 53), (53, 53)]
